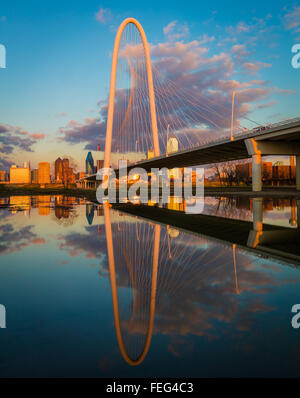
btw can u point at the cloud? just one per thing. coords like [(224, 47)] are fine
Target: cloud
[(269, 104), (13, 138), (193, 86), (167, 29), (103, 15), (91, 132), (284, 91), (239, 49), (175, 30), (15, 240), (37, 136), (252, 67), (5, 164), (292, 20), (206, 39), (197, 295)]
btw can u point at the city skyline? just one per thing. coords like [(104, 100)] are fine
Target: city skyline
[(59, 112)]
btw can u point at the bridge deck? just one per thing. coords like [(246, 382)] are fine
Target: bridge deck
[(221, 151)]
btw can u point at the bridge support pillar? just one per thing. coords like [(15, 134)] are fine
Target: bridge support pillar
[(298, 172), (256, 173)]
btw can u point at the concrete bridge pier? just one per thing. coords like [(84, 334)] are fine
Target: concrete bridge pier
[(257, 149), (256, 173)]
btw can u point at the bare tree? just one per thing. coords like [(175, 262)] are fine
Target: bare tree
[(229, 170), (216, 167)]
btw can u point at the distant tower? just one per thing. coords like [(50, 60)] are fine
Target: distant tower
[(89, 164)]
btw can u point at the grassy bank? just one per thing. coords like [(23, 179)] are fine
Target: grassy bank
[(32, 190)]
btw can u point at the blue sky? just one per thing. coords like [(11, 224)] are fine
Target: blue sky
[(59, 58)]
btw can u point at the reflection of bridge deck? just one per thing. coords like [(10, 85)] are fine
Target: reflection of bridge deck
[(274, 242)]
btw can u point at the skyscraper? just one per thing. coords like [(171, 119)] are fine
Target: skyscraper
[(34, 176), (63, 172), (58, 166), (44, 173), (89, 164)]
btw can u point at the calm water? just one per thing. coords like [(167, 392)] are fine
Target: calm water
[(90, 292)]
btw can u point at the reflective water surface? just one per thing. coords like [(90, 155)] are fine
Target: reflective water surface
[(91, 291)]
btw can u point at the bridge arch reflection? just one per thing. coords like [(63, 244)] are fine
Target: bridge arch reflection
[(149, 265), (112, 271)]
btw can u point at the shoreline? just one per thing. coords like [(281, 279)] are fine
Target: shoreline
[(284, 193)]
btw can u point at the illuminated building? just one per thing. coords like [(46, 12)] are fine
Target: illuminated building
[(44, 173), (80, 175), (34, 176), (20, 175), (89, 164), (2, 176), (63, 172), (58, 170), (100, 164)]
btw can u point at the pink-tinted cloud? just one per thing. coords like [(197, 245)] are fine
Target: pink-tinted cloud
[(269, 104), (292, 20), (38, 241), (37, 136), (206, 79), (175, 30), (103, 15), (255, 66)]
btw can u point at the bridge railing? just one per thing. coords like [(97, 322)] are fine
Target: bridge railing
[(260, 129), (245, 132)]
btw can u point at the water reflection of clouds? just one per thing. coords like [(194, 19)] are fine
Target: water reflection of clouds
[(15, 240), (90, 244), (196, 285), (205, 288)]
